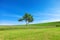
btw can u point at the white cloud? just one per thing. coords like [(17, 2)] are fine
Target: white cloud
[(49, 15), (9, 22), (11, 15), (6, 14)]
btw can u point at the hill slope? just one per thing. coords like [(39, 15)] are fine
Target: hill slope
[(44, 31), (31, 34), (31, 26)]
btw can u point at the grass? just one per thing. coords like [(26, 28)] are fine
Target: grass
[(31, 34), (45, 31), (31, 26)]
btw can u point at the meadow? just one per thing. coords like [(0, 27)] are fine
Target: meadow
[(44, 31)]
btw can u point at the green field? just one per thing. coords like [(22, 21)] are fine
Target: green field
[(46, 31)]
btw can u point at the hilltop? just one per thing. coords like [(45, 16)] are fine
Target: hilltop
[(31, 26)]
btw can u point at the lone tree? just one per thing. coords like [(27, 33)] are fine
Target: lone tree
[(27, 17)]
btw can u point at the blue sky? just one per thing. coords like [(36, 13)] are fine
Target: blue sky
[(42, 11)]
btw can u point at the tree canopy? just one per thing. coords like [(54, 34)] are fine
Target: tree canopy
[(27, 17)]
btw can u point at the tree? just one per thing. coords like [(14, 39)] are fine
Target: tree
[(27, 17)]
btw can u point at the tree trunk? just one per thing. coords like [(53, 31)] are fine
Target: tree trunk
[(26, 23)]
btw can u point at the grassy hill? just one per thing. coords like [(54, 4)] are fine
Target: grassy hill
[(31, 34), (43, 31), (31, 26)]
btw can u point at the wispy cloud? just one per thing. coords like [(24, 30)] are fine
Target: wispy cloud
[(11, 15), (48, 15), (7, 14), (9, 22)]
